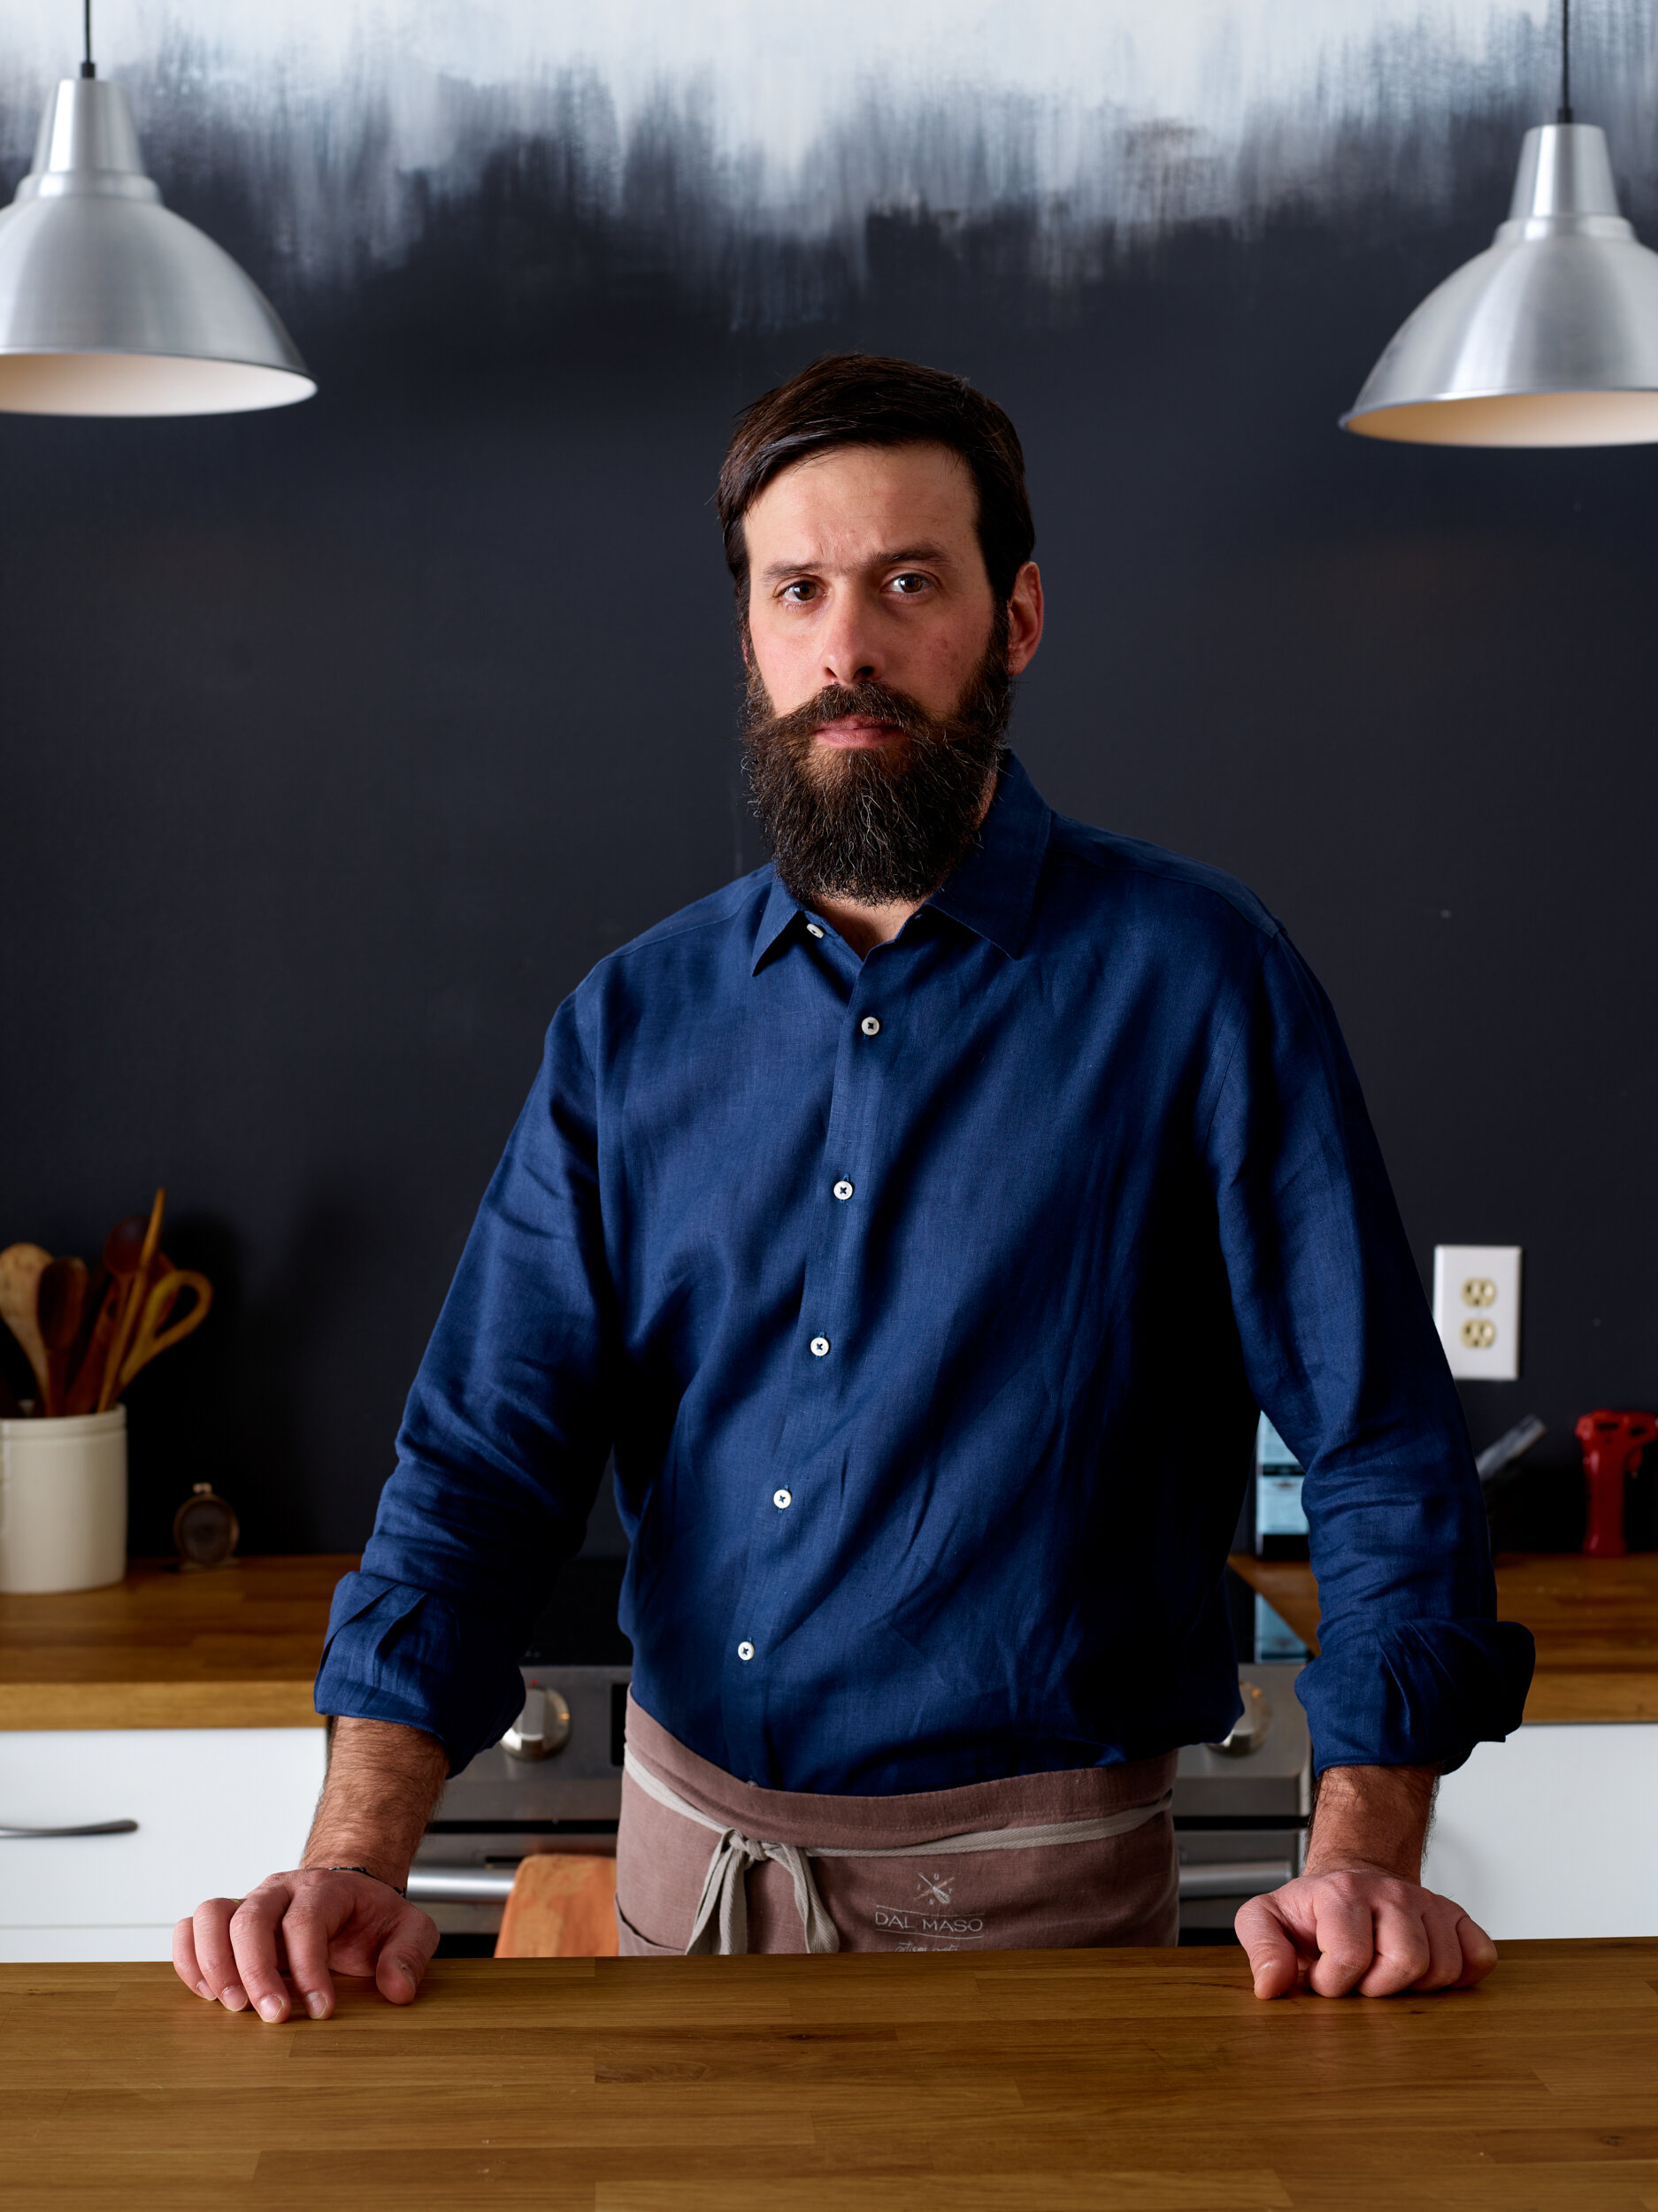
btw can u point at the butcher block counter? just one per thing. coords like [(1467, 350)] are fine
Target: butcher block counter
[(1059, 2081), (230, 1647), (1595, 1622), (237, 1645)]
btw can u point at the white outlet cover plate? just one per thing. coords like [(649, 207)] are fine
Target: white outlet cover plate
[(1476, 1296)]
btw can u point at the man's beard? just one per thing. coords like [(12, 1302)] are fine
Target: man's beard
[(878, 825)]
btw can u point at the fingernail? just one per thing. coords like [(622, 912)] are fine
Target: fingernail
[(269, 2008), (316, 2004), (202, 1990), (232, 1996)]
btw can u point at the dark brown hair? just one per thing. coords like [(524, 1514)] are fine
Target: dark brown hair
[(865, 399)]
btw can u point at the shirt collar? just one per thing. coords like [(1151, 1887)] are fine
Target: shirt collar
[(992, 892)]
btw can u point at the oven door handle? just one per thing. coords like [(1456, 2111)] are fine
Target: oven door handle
[(1235, 1878), (460, 1885)]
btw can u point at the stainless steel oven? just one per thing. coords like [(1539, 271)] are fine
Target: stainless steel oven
[(555, 1784)]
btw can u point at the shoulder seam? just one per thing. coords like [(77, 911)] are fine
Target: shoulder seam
[(1137, 864)]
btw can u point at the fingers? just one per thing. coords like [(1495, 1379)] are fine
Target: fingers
[(1479, 1952), (1403, 1951), (312, 1919), (1442, 1923), (255, 1927), (184, 1964), (1274, 1957), (315, 1924), (214, 1951), (405, 1955), (1362, 1930), (1343, 1923)]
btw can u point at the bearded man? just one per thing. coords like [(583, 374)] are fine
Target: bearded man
[(920, 1222)]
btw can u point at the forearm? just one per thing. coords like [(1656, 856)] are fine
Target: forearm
[(1371, 1818), (383, 1782)]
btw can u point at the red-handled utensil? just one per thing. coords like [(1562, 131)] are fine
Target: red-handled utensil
[(1612, 1446)]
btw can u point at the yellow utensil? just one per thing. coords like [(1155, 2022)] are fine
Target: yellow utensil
[(153, 1337), (135, 1301)]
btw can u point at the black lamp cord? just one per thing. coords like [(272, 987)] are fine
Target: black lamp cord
[(88, 67), (1565, 61)]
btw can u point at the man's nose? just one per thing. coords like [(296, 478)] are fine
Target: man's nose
[(851, 651)]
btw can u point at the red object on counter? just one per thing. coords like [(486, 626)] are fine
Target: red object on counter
[(1612, 1446)]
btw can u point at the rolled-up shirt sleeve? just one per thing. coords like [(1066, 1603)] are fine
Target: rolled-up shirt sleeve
[(503, 1439), (1414, 1668)]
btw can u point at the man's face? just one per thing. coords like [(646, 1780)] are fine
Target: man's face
[(879, 668), (865, 566)]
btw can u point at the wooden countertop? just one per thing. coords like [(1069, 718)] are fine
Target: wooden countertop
[(237, 1647), (1595, 1622), (1060, 2081), (232, 1647)]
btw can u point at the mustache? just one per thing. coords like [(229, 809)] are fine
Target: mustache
[(871, 701)]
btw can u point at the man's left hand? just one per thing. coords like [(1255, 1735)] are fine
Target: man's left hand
[(1360, 1928), (1358, 1918)]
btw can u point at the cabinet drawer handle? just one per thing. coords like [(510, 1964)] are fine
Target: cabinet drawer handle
[(92, 1828)]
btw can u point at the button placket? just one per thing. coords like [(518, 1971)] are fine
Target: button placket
[(832, 1257)]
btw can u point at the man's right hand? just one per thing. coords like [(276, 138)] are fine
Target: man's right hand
[(315, 1924)]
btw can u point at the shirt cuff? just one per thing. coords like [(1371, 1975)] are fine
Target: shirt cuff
[(1415, 1693), (400, 1654)]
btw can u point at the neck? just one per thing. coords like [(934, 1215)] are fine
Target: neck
[(865, 927)]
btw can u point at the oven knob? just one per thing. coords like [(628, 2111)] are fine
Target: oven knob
[(541, 1729), (1250, 1731)]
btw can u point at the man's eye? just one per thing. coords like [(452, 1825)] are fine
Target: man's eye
[(798, 593), (910, 583)]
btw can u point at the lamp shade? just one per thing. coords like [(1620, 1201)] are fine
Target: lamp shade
[(1548, 338), (110, 304)]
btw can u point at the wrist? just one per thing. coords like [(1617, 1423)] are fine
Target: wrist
[(322, 1857), (1372, 1820), (400, 1888)]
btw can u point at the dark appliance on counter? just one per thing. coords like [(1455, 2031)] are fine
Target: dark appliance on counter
[(554, 1783)]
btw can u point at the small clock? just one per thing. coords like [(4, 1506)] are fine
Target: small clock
[(205, 1530)]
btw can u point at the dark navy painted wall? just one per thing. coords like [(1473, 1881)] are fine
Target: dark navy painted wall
[(338, 743)]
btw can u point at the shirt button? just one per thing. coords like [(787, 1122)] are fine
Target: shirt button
[(843, 1189), (782, 1499), (820, 1347), (745, 1650), (870, 1025), (812, 930)]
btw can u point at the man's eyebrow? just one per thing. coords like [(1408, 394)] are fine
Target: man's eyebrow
[(940, 556)]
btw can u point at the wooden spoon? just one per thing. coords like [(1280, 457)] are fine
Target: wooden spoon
[(82, 1395), (152, 1336), (59, 1304), (135, 1273), (106, 1303), (22, 1267)]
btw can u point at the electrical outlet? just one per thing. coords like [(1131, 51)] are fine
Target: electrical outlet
[(1476, 1310)]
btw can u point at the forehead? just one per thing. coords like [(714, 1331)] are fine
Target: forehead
[(856, 501)]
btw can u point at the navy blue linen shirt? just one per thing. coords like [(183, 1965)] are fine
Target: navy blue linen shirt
[(926, 1301)]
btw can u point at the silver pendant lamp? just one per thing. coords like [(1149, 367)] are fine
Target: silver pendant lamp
[(1550, 336), (110, 304)]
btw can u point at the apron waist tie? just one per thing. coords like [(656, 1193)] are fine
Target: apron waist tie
[(721, 1927)]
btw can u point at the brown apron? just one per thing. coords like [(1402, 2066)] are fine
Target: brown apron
[(706, 1862)]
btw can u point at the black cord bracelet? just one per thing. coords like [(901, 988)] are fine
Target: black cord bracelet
[(364, 1870)]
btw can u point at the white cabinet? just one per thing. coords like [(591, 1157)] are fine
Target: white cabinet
[(1554, 1832), (217, 1810)]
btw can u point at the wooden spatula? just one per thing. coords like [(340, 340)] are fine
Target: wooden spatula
[(59, 1303), (22, 1267)]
